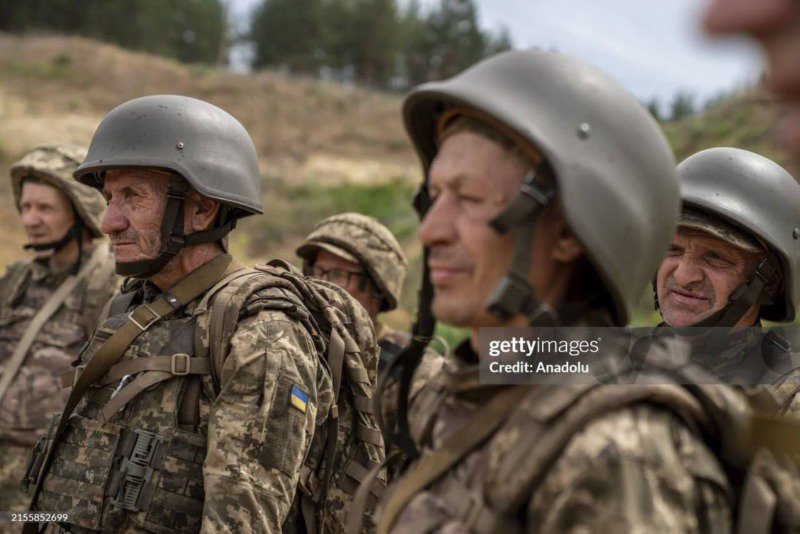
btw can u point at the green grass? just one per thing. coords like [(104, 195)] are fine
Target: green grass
[(293, 211), (57, 68)]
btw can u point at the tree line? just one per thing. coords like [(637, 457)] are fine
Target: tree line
[(372, 42), (187, 30), (377, 43)]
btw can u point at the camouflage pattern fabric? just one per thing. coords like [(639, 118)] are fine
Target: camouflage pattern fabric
[(747, 356), (636, 469), (13, 461), (429, 366), (35, 395), (361, 239), (54, 164), (236, 470)]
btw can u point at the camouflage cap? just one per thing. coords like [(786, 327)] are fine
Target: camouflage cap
[(709, 223), (364, 240), (54, 164)]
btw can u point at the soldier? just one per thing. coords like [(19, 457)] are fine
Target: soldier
[(48, 304), (732, 262), (775, 24), (550, 197), (361, 255), (155, 435)]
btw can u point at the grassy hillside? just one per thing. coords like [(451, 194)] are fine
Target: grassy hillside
[(323, 148)]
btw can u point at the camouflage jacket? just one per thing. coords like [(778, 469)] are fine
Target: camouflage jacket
[(390, 342), (747, 356), (34, 395), (638, 468), (758, 360), (232, 466)]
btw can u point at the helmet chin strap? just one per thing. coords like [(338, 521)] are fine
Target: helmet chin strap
[(173, 238), (75, 232), (752, 292), (514, 295)]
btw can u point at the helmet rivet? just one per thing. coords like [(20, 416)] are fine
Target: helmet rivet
[(180, 145), (584, 130), (796, 233)]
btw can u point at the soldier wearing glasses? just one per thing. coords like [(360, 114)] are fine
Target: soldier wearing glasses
[(361, 255)]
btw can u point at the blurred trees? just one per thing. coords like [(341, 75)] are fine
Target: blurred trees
[(372, 42), (188, 30), (682, 105)]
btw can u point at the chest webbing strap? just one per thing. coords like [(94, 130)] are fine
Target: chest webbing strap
[(139, 320)]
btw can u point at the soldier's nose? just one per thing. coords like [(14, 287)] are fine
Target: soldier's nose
[(437, 226), (687, 272), (113, 221)]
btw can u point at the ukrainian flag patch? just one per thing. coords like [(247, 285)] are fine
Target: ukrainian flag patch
[(299, 398)]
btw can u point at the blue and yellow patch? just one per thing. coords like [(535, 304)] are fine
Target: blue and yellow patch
[(299, 398)]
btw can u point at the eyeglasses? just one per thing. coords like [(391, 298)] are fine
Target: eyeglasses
[(340, 277)]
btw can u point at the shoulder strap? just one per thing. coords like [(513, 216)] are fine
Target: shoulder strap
[(139, 320), (42, 316), (551, 419), (220, 304), (479, 428)]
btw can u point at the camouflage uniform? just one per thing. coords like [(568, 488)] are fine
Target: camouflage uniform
[(364, 240), (167, 439), (639, 467), (751, 203), (390, 343), (635, 469), (236, 469), (34, 395)]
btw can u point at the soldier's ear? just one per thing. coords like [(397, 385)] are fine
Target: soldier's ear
[(567, 248), (201, 212), (775, 283)]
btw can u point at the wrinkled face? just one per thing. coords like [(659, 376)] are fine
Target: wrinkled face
[(136, 201), (46, 214), (698, 275), (348, 276), (471, 180)]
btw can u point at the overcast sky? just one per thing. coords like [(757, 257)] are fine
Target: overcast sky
[(654, 48)]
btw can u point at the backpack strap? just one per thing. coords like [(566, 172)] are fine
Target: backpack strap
[(42, 316), (554, 417), (140, 319), (456, 447)]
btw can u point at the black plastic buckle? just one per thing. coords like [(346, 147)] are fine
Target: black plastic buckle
[(766, 270), (511, 297), (136, 471), (31, 475)]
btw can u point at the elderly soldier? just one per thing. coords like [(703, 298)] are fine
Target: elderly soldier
[(48, 305), (163, 439), (361, 255), (732, 262), (551, 198)]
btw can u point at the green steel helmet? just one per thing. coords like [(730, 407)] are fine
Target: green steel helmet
[(363, 240), (201, 146), (613, 169), (197, 140), (758, 197), (54, 165)]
